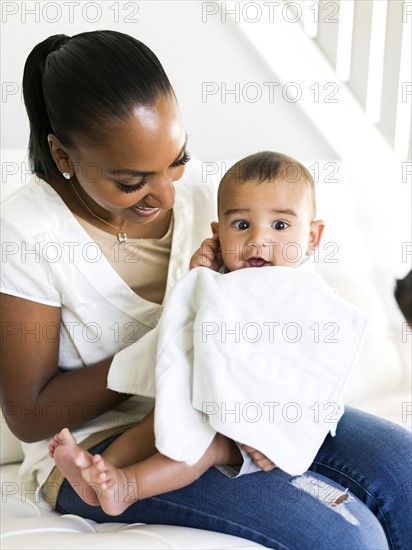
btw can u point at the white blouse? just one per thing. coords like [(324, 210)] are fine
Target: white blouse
[(48, 257)]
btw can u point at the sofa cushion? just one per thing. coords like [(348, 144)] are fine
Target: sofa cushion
[(10, 448)]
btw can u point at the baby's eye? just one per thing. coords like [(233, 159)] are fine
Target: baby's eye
[(280, 225), (241, 225)]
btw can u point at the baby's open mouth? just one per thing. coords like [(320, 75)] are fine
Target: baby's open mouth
[(256, 262)]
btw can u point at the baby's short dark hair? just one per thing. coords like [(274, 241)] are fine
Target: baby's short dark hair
[(269, 166)]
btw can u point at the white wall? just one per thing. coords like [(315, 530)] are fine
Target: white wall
[(193, 52), (368, 219), (198, 47)]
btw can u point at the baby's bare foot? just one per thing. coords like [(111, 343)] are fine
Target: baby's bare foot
[(53, 445), (63, 449), (114, 490)]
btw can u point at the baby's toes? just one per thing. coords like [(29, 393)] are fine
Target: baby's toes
[(65, 437), (82, 460), (99, 478), (53, 443), (102, 479), (99, 463)]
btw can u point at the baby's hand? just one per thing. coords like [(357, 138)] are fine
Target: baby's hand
[(259, 459), (208, 255)]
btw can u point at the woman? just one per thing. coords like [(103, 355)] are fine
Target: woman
[(93, 246)]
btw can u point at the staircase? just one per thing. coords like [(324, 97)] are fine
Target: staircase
[(348, 65), (347, 62)]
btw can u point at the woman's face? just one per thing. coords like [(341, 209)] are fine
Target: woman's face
[(130, 172)]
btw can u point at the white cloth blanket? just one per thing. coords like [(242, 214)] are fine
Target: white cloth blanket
[(261, 355)]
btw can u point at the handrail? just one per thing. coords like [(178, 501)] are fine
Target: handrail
[(277, 31), (368, 44)]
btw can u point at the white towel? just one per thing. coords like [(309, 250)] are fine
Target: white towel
[(261, 355)]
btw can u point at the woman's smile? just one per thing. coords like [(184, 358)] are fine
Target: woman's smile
[(144, 211)]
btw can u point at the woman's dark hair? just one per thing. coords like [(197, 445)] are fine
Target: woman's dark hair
[(72, 86)]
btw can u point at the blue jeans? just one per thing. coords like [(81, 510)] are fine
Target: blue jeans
[(369, 456)]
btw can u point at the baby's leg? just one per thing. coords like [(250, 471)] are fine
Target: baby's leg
[(120, 487), (134, 445)]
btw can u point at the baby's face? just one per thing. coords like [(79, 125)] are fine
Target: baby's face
[(266, 224)]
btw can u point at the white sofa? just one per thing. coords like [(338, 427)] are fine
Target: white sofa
[(380, 384)]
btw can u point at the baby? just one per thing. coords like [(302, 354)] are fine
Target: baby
[(266, 212), (266, 209)]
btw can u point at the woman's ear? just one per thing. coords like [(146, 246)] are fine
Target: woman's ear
[(215, 227), (315, 235), (59, 154)]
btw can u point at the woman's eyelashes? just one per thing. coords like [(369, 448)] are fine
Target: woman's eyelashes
[(184, 159), (131, 188)]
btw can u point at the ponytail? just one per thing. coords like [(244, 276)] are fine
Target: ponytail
[(41, 161), (73, 87)]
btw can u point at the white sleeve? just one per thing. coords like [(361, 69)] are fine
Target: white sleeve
[(247, 467), (133, 369), (25, 268)]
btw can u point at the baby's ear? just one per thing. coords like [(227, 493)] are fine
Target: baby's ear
[(215, 227), (315, 235)]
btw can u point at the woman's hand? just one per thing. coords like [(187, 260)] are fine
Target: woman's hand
[(208, 255), (259, 459)]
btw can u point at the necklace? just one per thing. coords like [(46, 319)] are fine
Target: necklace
[(121, 235)]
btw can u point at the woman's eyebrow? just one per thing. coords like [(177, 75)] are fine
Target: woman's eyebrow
[(134, 173), (129, 172)]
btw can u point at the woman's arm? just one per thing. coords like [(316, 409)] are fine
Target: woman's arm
[(37, 400)]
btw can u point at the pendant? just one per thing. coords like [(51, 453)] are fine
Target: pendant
[(122, 237)]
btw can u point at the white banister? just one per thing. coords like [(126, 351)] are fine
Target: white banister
[(368, 44), (336, 108)]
